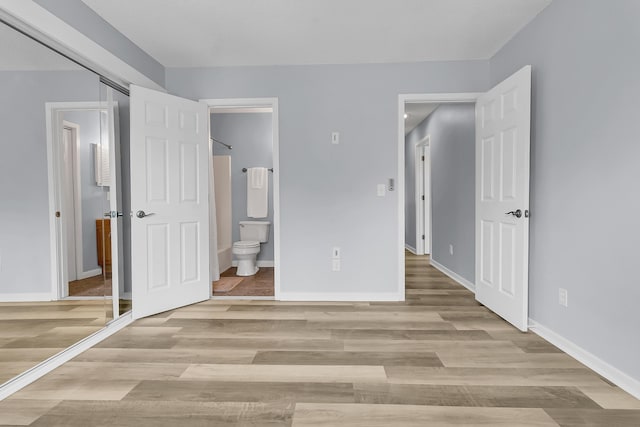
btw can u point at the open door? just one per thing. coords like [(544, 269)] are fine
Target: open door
[(169, 202), (503, 122)]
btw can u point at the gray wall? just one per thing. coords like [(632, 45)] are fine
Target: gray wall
[(250, 134), (585, 196), (328, 192), (84, 19), (24, 210), (93, 198), (452, 137)]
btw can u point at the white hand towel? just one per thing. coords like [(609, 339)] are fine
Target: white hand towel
[(257, 192)]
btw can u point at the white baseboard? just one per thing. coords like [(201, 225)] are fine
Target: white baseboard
[(410, 249), (243, 298), (26, 297), (261, 263), (339, 296), (43, 368), (90, 273), (455, 276), (616, 376)]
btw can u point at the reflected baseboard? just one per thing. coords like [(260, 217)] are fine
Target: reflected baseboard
[(27, 297), (90, 273)]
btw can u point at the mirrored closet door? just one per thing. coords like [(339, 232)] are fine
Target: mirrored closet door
[(59, 166)]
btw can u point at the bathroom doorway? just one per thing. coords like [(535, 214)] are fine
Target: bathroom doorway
[(244, 229)]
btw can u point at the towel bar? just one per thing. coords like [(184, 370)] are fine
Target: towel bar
[(245, 170)]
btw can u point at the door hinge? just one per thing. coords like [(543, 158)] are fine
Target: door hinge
[(423, 237), (57, 214), (423, 197), (423, 158)]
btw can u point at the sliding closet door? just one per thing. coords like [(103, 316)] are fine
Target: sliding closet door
[(169, 202)]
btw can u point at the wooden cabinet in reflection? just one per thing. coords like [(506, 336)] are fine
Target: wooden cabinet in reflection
[(103, 239)]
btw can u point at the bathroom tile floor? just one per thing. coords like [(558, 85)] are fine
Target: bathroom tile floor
[(261, 284), (437, 359)]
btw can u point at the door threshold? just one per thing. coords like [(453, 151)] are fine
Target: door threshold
[(81, 298)]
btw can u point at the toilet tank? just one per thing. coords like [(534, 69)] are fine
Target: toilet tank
[(254, 230)]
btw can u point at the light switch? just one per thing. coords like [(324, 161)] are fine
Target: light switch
[(382, 189), (335, 138)]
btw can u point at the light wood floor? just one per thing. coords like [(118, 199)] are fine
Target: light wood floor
[(32, 332), (437, 359)]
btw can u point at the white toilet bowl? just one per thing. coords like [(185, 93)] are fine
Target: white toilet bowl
[(246, 252)]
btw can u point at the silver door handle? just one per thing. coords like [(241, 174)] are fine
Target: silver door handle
[(112, 214), (516, 213), (142, 214)]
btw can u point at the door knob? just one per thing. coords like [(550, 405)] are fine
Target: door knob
[(516, 213), (142, 214)]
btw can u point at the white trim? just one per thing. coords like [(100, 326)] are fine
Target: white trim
[(613, 374), (340, 296), (273, 103), (243, 298), (421, 169), (96, 298), (43, 368), (402, 99), (455, 276), (90, 273), (77, 195), (240, 110), (26, 297), (260, 263), (410, 249), (45, 26)]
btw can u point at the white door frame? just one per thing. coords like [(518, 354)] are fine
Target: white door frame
[(273, 103), (402, 100), (77, 205), (423, 187), (54, 127)]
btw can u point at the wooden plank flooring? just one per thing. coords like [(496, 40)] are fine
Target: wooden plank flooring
[(438, 359), (32, 332)]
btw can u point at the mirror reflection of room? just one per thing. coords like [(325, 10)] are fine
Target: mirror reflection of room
[(55, 243)]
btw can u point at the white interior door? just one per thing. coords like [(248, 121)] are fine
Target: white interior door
[(169, 202), (503, 122)]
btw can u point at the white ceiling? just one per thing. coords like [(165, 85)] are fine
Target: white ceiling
[(416, 113), (20, 53), (209, 33)]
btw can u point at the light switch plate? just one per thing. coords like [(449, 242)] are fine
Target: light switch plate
[(382, 189), (335, 138)]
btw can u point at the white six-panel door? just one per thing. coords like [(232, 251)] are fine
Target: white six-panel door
[(503, 121), (169, 202)]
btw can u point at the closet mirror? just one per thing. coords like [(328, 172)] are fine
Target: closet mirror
[(58, 144)]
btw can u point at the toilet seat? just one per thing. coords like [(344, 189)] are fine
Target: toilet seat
[(246, 244)]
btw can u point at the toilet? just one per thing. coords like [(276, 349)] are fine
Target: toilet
[(252, 233)]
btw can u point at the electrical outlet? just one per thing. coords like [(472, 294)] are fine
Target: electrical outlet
[(563, 297), (335, 252), (335, 264), (450, 249)]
